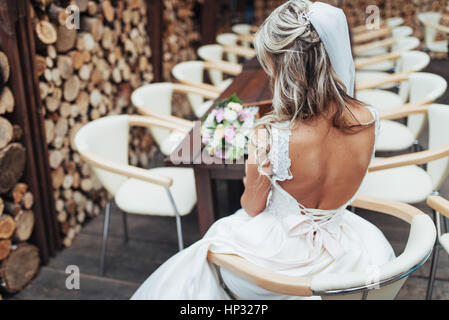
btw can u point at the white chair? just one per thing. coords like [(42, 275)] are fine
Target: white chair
[(155, 100), (407, 61), (401, 46), (380, 47), (192, 73), (430, 22), (399, 177), (383, 282), (228, 39), (103, 144), (244, 30), (439, 206), (216, 53)]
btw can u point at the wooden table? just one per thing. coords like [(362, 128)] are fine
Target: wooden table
[(251, 85)]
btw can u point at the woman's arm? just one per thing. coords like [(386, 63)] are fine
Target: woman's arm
[(257, 186)]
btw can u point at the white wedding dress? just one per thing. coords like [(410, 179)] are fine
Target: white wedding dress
[(286, 237)]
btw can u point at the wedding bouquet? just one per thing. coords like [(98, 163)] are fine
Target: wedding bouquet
[(225, 132)]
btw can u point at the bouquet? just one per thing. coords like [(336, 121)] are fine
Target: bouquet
[(224, 133)]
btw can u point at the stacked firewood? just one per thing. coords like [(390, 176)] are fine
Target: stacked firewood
[(19, 261), (180, 35), (85, 74)]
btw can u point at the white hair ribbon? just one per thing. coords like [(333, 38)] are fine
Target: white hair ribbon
[(331, 25)]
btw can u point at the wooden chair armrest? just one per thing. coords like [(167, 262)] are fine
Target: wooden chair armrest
[(439, 204), (415, 158), (260, 276), (184, 88), (378, 82), (125, 170), (371, 35), (143, 121), (227, 67), (254, 29), (436, 26), (184, 125), (246, 38), (397, 209), (240, 51), (421, 106), (363, 62), (203, 86), (374, 45)]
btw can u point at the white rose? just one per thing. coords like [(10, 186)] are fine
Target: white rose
[(230, 115), (240, 141), (235, 106)]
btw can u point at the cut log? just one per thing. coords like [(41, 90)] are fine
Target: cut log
[(20, 267), (2, 206), (6, 132), (46, 32), (77, 59), (71, 88), (94, 26), (4, 67), (92, 8), (5, 248), (12, 208), (24, 225), (12, 163), (7, 227), (6, 101), (108, 10), (58, 14), (18, 191), (40, 65), (65, 66), (17, 132), (66, 39)]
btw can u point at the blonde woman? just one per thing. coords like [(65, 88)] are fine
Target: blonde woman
[(306, 163)]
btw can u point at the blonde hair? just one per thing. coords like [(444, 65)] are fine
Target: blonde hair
[(302, 79)]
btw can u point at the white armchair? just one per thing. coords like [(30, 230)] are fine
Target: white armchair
[(431, 24), (439, 206), (351, 285), (155, 100), (399, 177), (103, 144)]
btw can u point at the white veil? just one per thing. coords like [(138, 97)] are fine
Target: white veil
[(331, 25)]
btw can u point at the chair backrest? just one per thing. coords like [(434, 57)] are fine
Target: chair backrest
[(405, 44), (106, 137), (228, 39), (241, 28), (394, 21), (190, 72), (402, 32), (377, 282), (410, 60), (427, 86), (157, 97), (429, 33), (438, 136), (212, 52)]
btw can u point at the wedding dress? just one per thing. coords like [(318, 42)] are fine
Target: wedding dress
[(286, 237)]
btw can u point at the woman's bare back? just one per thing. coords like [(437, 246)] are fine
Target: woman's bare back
[(328, 164)]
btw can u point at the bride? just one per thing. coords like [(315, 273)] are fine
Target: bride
[(306, 162)]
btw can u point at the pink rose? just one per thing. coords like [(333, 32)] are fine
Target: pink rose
[(219, 115), (229, 134)]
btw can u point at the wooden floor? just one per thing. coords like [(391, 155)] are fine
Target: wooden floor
[(153, 241)]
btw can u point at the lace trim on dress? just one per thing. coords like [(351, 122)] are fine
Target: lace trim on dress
[(279, 152)]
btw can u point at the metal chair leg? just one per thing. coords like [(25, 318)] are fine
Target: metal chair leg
[(105, 237), (435, 258), (178, 220), (125, 226)]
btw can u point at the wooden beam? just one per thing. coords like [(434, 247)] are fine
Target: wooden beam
[(155, 29), (208, 22)]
